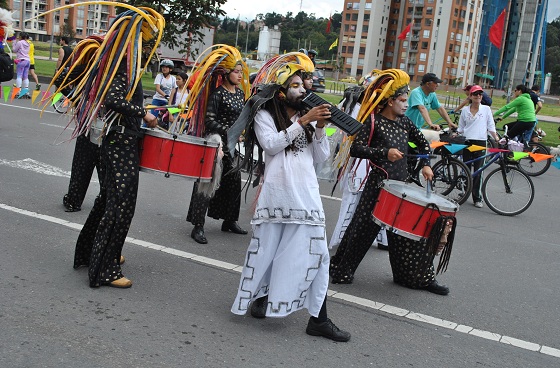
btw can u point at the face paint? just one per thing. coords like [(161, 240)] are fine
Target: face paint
[(295, 93)]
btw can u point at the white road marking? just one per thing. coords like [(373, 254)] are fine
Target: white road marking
[(30, 108), (423, 318), (39, 167)]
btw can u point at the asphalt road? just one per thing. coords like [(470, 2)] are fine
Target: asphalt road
[(502, 310)]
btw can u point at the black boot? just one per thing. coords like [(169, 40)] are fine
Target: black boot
[(198, 234), (326, 329), (69, 207), (258, 307), (233, 227), (436, 288)]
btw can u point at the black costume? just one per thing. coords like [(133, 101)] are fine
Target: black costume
[(86, 158), (102, 238), (362, 230), (223, 109)]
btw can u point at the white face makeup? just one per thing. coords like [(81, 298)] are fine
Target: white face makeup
[(296, 90), (399, 105)]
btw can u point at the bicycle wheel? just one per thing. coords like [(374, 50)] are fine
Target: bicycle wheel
[(531, 167), (509, 192), (452, 179)]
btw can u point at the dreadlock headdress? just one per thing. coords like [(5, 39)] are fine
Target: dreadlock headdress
[(219, 61), (120, 48), (278, 69), (384, 84)]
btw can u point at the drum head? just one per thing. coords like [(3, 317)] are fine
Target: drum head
[(181, 138), (418, 195)]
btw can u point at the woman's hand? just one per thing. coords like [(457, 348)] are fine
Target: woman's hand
[(394, 155), (427, 173), (151, 120)]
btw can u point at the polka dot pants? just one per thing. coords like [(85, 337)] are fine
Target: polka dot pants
[(102, 238)]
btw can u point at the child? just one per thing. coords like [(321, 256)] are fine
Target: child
[(180, 97), (166, 86)]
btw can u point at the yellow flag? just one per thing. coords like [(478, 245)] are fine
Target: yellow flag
[(334, 44)]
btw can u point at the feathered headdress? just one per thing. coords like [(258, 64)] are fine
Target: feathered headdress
[(219, 61)]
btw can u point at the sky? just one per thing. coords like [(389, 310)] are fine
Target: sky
[(248, 9)]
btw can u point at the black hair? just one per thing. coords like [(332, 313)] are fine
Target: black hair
[(65, 39), (523, 88), (184, 76), (536, 88)]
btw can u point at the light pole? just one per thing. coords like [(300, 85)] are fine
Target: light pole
[(247, 40), (237, 32)]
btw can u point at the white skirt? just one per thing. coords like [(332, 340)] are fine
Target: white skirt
[(290, 264)]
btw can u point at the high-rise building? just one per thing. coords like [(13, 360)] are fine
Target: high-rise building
[(442, 39), (83, 20), (520, 60)]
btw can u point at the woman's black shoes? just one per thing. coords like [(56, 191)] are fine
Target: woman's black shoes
[(68, 206), (326, 329), (233, 227), (198, 235), (436, 288), (258, 307)]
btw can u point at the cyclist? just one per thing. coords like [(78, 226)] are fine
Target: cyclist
[(486, 100), (475, 123), (523, 105)]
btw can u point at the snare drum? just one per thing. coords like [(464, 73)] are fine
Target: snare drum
[(181, 155), (409, 211)]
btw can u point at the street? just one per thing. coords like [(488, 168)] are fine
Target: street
[(503, 275)]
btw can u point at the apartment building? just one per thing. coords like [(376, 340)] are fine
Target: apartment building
[(84, 20), (520, 60), (443, 38)]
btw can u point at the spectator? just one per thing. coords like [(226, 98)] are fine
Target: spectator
[(166, 86), (422, 99), (486, 100), (64, 52), (525, 108), (21, 49), (32, 63)]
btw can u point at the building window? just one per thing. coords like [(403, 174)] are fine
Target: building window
[(428, 22), (348, 16), (366, 16), (448, 59), (452, 36), (355, 16), (353, 28), (349, 60), (426, 33), (356, 6), (458, 37), (343, 49), (424, 45), (450, 47), (361, 61), (422, 56), (421, 68), (367, 6), (429, 10), (350, 49), (362, 50), (365, 28)]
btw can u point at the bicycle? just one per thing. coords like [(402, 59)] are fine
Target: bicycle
[(507, 190), (528, 164), (452, 178)]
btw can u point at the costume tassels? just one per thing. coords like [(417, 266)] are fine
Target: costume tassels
[(440, 241)]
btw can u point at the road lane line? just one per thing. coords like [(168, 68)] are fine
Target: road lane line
[(39, 167), (396, 311)]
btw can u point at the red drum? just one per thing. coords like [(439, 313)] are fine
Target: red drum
[(410, 211), (181, 155)]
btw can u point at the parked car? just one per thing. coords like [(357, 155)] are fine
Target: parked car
[(348, 79), (318, 81)]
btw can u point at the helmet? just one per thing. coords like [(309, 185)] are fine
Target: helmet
[(166, 62), (304, 51), (313, 52)]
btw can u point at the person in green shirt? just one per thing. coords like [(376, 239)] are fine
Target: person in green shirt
[(525, 108)]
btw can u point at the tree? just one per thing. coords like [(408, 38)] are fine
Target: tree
[(184, 20), (67, 30), (4, 4)]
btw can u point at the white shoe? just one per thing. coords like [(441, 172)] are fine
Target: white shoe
[(478, 204)]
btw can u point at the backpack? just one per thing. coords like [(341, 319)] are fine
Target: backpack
[(486, 100), (6, 67)]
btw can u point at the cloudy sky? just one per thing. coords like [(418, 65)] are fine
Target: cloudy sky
[(248, 9)]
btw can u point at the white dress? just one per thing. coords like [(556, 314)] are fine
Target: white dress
[(352, 184), (287, 258)]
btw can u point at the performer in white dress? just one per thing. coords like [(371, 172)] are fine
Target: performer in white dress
[(286, 266)]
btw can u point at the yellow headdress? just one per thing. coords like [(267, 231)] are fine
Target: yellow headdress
[(219, 60), (385, 84), (280, 68)]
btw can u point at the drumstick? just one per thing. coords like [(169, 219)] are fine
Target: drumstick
[(419, 156), (156, 107)]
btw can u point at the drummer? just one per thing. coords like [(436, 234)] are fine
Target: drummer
[(223, 76), (385, 143)]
